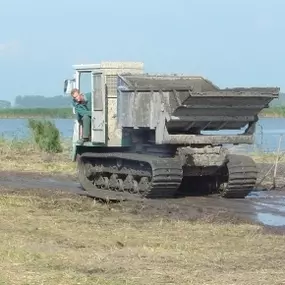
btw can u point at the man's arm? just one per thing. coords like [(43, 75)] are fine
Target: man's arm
[(74, 105), (80, 109)]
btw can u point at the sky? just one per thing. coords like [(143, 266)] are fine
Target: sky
[(230, 42)]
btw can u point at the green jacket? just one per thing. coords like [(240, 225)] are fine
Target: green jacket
[(82, 109)]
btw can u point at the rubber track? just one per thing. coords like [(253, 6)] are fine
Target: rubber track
[(167, 176), (242, 176)]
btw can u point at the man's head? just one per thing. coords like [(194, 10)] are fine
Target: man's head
[(76, 95)]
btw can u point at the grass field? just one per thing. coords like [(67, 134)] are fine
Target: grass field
[(63, 113), (24, 155), (59, 239), (66, 113)]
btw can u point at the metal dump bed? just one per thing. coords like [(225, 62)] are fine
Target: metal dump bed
[(190, 104), (146, 82)]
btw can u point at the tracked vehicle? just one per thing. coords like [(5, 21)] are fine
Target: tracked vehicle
[(149, 133)]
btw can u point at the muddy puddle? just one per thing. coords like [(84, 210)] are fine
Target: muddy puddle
[(265, 207), (269, 207)]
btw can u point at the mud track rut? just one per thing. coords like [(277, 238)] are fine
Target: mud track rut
[(186, 208)]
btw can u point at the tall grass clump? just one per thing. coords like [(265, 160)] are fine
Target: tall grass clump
[(46, 135)]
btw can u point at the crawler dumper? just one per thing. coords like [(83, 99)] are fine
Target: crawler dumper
[(148, 134)]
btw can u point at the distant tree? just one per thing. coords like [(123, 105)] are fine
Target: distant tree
[(5, 104), (37, 101)]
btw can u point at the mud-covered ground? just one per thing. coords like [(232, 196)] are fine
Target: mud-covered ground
[(265, 205)]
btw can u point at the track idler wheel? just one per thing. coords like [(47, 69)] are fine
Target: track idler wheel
[(85, 177)]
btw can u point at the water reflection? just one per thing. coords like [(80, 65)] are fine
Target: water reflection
[(269, 208), (269, 219)]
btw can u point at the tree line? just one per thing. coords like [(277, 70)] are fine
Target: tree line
[(60, 101), (37, 101)]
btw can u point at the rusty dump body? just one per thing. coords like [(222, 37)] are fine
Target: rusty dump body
[(164, 151)]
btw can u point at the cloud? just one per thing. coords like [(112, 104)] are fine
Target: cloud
[(9, 48)]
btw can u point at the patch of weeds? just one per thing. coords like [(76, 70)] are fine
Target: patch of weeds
[(46, 135)]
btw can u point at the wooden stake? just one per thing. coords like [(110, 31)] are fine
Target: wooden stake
[(276, 163)]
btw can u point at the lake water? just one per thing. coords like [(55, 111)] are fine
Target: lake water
[(267, 134)]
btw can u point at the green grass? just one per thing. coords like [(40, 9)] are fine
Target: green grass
[(60, 239), (273, 112), (66, 113), (63, 113)]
